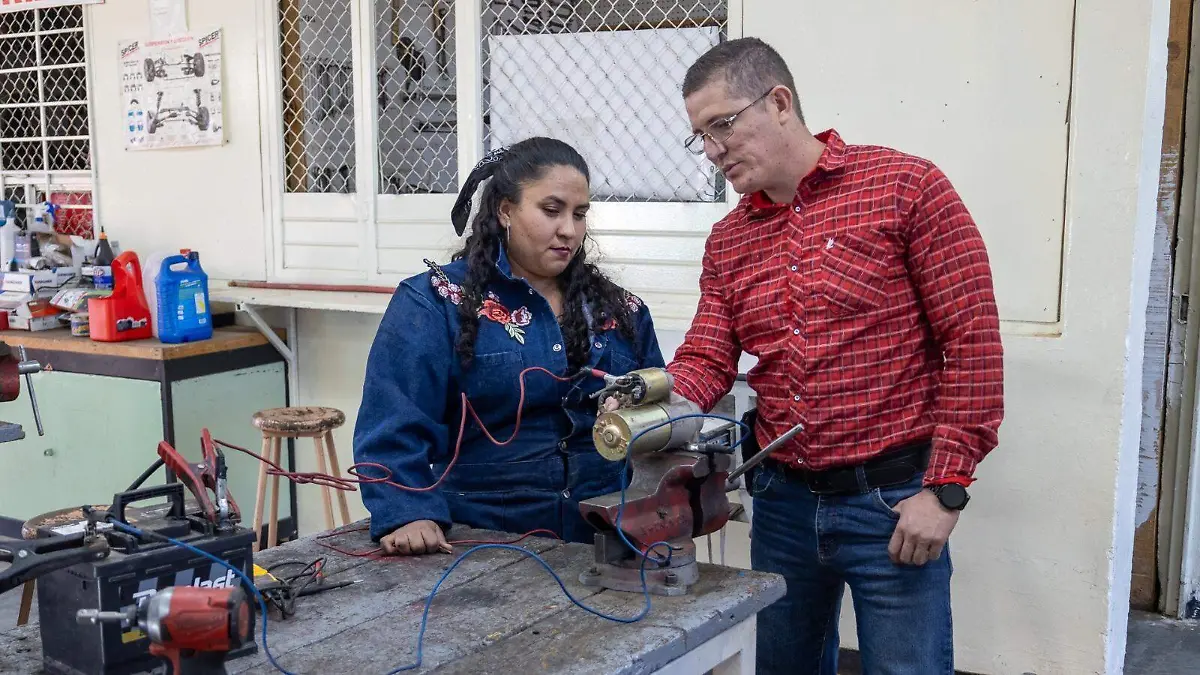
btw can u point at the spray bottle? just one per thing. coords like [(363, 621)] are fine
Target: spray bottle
[(8, 234)]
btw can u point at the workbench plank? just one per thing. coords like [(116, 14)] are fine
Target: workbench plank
[(389, 588), (582, 645), (223, 340), (577, 644), (721, 599), (310, 548), (512, 594)]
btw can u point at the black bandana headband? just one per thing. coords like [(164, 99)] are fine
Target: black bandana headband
[(460, 215)]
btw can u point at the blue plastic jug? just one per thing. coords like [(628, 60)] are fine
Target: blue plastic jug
[(182, 291)]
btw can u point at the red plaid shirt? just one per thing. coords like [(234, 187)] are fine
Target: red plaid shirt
[(868, 302)]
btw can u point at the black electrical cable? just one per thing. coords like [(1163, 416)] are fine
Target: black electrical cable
[(158, 463)]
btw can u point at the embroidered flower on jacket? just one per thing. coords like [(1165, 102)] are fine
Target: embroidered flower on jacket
[(522, 316), (447, 289), (514, 322)]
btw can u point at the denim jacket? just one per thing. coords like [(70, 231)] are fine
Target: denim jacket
[(411, 408)]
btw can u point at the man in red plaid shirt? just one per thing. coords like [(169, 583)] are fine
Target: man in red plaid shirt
[(859, 279)]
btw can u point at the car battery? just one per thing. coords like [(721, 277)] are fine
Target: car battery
[(136, 567)]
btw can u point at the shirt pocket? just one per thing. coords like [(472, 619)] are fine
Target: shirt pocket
[(618, 358), (853, 272), (492, 380)]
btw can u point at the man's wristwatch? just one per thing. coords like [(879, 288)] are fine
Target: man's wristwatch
[(952, 496)]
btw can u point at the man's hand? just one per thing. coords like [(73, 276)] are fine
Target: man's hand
[(416, 538), (923, 530)]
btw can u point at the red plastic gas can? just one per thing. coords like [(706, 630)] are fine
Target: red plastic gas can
[(124, 315)]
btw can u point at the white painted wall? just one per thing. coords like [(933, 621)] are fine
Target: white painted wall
[(1042, 556), (208, 199)]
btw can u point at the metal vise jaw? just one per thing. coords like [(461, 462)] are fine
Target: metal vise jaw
[(674, 497), (12, 367)]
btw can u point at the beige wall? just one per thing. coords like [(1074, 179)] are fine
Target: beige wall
[(1042, 555)]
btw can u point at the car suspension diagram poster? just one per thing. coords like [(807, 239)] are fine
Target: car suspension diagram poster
[(172, 92)]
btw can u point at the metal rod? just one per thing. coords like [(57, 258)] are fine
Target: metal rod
[(762, 454), (334, 288), (293, 358), (28, 367), (269, 333)]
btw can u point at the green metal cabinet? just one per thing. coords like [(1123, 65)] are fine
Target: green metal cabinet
[(105, 408)]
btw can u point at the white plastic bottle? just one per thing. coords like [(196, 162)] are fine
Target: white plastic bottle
[(8, 234), (150, 285)]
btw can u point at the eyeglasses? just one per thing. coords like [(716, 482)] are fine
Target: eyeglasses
[(719, 130)]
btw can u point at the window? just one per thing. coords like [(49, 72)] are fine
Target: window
[(45, 146), (604, 75), (386, 104)]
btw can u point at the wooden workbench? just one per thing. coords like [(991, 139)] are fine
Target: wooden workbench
[(107, 406), (498, 612), (61, 341)]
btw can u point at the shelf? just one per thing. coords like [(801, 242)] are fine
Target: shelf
[(365, 303)]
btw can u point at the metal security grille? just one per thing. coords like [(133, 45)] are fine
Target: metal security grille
[(45, 148), (605, 76), (418, 142), (316, 54)]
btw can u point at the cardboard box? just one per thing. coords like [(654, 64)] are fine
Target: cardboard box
[(38, 282), (28, 312), (34, 323)]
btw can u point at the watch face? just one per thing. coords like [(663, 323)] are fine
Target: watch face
[(953, 496)]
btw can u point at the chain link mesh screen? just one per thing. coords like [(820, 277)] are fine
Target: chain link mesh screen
[(418, 141), (605, 76), (316, 47), (44, 126)]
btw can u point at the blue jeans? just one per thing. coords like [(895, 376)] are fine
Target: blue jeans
[(819, 543)]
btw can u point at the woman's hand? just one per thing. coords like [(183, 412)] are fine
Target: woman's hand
[(416, 538)]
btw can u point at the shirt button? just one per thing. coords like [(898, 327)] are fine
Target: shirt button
[(531, 291), (566, 494), (795, 331), (562, 445), (794, 268), (599, 346), (797, 209), (558, 348), (794, 398)]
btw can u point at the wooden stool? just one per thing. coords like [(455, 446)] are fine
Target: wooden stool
[(277, 424)]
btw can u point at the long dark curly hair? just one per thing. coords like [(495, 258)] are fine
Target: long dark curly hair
[(510, 170)]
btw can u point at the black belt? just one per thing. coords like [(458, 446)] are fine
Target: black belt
[(894, 466)]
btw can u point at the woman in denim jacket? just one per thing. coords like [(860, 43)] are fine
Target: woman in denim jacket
[(520, 293)]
